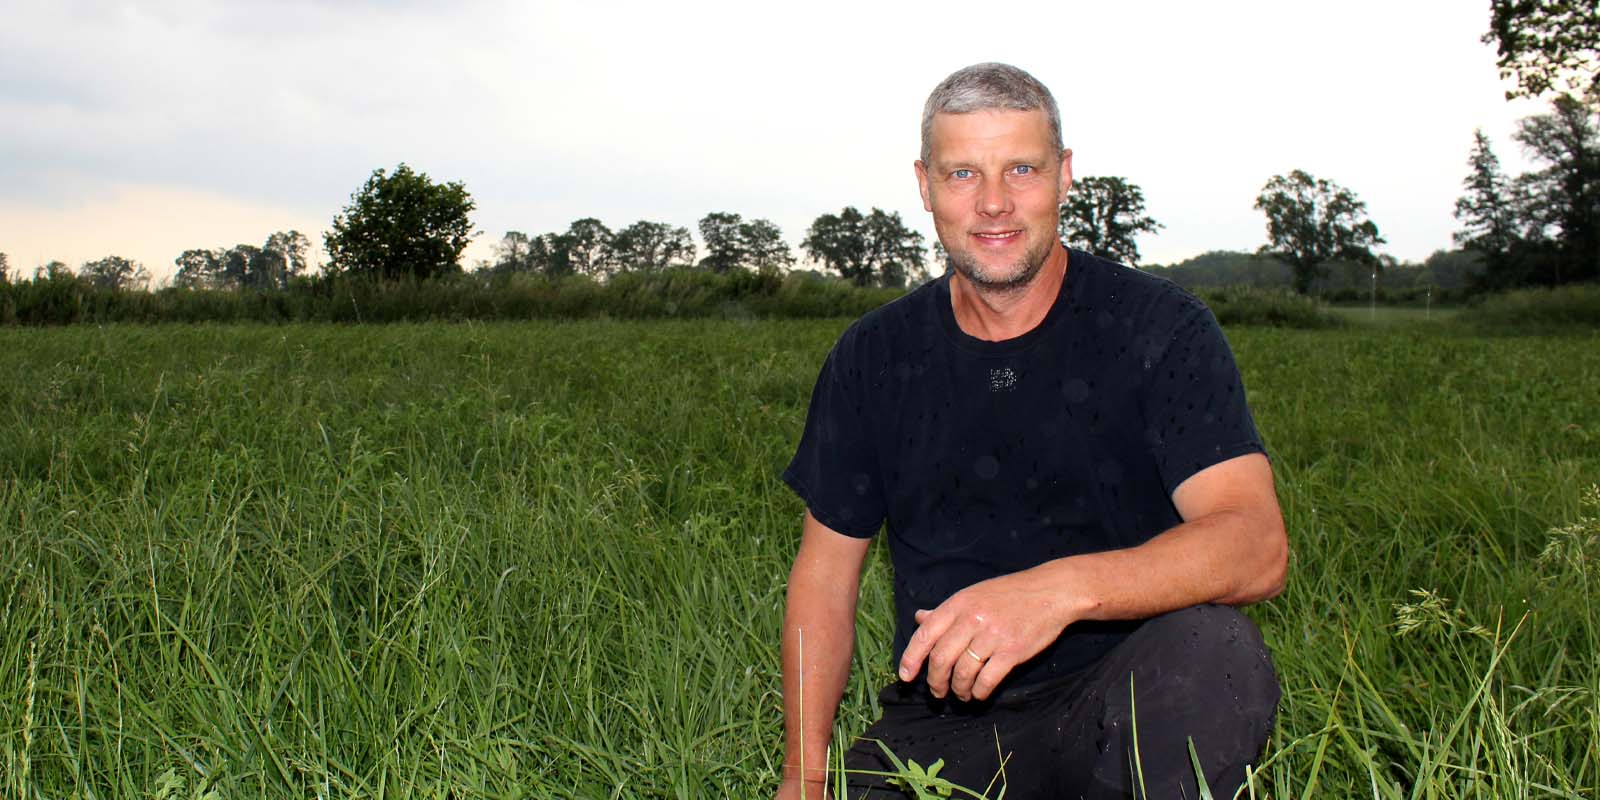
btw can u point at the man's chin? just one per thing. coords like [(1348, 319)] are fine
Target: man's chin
[(1009, 278)]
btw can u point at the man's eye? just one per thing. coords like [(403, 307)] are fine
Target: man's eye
[(961, 174), (1023, 169)]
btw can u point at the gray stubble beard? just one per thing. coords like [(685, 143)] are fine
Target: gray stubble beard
[(1032, 262)]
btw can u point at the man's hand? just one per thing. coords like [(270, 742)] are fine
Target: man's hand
[(974, 638), (792, 789)]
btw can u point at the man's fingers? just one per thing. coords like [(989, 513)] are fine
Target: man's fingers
[(968, 663), (929, 628), (994, 670)]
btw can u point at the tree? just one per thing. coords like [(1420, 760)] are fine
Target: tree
[(839, 241), (1564, 197), (895, 250), (115, 273), (1486, 212), (1547, 44), (652, 246), (763, 246), (5, 269), (513, 253), (724, 242), (401, 225), (244, 266), (198, 269), (1102, 215), (284, 258), (587, 247), (1310, 222), (875, 248)]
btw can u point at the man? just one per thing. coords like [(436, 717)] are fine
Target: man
[(1073, 490)]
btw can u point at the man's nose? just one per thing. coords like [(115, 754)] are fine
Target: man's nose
[(993, 199)]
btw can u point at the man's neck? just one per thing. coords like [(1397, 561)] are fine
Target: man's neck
[(996, 315)]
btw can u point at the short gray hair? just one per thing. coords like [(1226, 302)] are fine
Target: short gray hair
[(985, 86)]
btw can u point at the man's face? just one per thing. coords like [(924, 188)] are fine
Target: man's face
[(994, 183)]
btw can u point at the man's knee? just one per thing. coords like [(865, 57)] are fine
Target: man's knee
[(1200, 674), (1214, 656)]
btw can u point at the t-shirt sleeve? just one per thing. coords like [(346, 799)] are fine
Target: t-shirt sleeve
[(835, 469), (1194, 401)]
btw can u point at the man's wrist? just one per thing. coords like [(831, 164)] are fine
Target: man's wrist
[(810, 775)]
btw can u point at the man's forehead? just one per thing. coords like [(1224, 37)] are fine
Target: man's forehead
[(990, 128)]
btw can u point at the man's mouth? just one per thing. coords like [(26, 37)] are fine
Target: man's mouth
[(999, 236)]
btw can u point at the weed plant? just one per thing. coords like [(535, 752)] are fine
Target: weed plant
[(548, 560)]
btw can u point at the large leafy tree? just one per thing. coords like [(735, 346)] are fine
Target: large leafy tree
[(733, 243), (866, 249), (720, 230), (1564, 196), (401, 224), (648, 246), (587, 248), (839, 241), (5, 269), (1547, 45), (115, 272), (1103, 215), (763, 246), (1310, 222)]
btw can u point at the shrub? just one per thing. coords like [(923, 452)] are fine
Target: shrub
[(1244, 305), (1526, 310)]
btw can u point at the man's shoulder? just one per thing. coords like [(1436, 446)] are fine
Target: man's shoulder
[(894, 325), (1141, 293)]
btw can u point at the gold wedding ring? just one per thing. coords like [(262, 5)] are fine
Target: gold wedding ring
[(975, 656)]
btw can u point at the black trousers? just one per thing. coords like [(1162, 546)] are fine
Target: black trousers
[(1200, 673)]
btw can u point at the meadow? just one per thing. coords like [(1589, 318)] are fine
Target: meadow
[(547, 559)]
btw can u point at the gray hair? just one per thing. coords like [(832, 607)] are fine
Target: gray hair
[(985, 86)]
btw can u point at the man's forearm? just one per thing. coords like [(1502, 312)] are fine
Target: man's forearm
[(1221, 558), (818, 635)]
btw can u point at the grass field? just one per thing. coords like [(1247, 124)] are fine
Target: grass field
[(1392, 315), (548, 560)]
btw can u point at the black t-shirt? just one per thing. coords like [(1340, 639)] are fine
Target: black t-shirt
[(987, 458)]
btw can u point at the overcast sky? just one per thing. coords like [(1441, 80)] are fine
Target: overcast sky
[(144, 129)]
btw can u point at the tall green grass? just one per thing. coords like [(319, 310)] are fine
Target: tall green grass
[(548, 560), (1574, 306)]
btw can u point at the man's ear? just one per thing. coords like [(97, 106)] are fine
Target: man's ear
[(1066, 172), (922, 183)]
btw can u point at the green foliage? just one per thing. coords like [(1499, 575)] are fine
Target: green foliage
[(732, 243), (867, 250), (62, 298), (1310, 222), (1488, 217), (652, 247), (1574, 306), (547, 560), (1547, 45), (724, 246), (1564, 196), (1541, 227), (1103, 215), (401, 226)]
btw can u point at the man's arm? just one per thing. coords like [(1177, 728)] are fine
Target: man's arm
[(820, 621), (1231, 548)]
